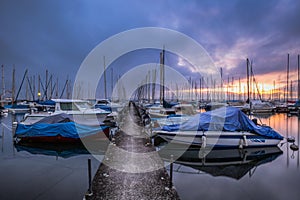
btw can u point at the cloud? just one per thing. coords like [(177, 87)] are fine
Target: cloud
[(45, 34)]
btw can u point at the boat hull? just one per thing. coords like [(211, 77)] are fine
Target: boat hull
[(67, 132), (215, 139)]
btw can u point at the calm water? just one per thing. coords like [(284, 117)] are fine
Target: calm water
[(46, 173), (41, 173), (275, 176)]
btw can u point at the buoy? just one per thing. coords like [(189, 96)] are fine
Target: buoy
[(290, 139), (294, 147)]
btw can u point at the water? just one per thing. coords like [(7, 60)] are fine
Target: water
[(275, 177), (35, 173)]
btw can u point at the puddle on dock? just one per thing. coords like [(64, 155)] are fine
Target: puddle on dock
[(43, 172)]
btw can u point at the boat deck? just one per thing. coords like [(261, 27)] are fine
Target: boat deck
[(131, 169)]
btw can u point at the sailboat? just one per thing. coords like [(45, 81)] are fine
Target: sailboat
[(226, 127)]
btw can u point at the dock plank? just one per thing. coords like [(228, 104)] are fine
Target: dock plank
[(131, 169)]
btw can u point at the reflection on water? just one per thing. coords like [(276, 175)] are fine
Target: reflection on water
[(264, 173), (41, 171), (55, 172), (233, 163), (65, 151)]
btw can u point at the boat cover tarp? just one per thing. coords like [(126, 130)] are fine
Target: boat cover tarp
[(61, 124), (67, 129), (223, 119)]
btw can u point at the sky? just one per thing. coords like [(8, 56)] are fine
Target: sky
[(57, 35)]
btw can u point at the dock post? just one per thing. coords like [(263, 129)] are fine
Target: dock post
[(90, 192), (2, 148), (171, 172)]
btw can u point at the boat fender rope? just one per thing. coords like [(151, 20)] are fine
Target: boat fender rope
[(203, 141)]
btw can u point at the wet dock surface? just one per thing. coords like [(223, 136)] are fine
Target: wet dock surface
[(131, 168)]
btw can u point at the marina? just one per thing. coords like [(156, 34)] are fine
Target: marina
[(135, 100), (65, 167)]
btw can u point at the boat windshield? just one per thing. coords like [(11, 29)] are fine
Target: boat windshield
[(68, 106), (83, 105)]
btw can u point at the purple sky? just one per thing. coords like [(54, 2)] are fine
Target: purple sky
[(58, 35)]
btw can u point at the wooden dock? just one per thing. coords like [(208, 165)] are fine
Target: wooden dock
[(131, 168)]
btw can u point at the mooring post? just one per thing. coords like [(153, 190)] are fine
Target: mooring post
[(171, 172), (2, 148), (90, 192)]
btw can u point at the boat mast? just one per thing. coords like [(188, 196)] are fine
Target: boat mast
[(105, 92), (298, 77), (39, 88), (153, 84), (13, 86), (162, 76), (248, 85), (3, 83), (287, 78), (240, 91), (46, 85)]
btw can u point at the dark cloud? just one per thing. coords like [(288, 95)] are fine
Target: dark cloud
[(59, 34)]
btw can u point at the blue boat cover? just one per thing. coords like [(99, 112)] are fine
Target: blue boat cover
[(61, 124), (223, 119), (66, 129)]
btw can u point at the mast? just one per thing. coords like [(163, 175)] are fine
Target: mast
[(153, 84), (228, 95), (148, 85), (162, 76), (240, 91), (13, 86), (232, 88), (221, 84), (56, 92), (112, 82), (298, 77), (274, 90), (26, 88), (287, 78), (248, 83), (39, 88), (105, 92), (200, 89), (3, 83), (33, 86), (46, 85)]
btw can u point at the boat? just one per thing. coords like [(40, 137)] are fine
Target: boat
[(184, 109), (294, 109), (226, 127), (20, 108), (81, 111), (232, 163), (59, 128), (258, 106), (214, 105), (107, 105), (161, 113), (3, 112), (281, 108)]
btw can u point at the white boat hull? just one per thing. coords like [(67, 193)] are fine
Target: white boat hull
[(217, 139)]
